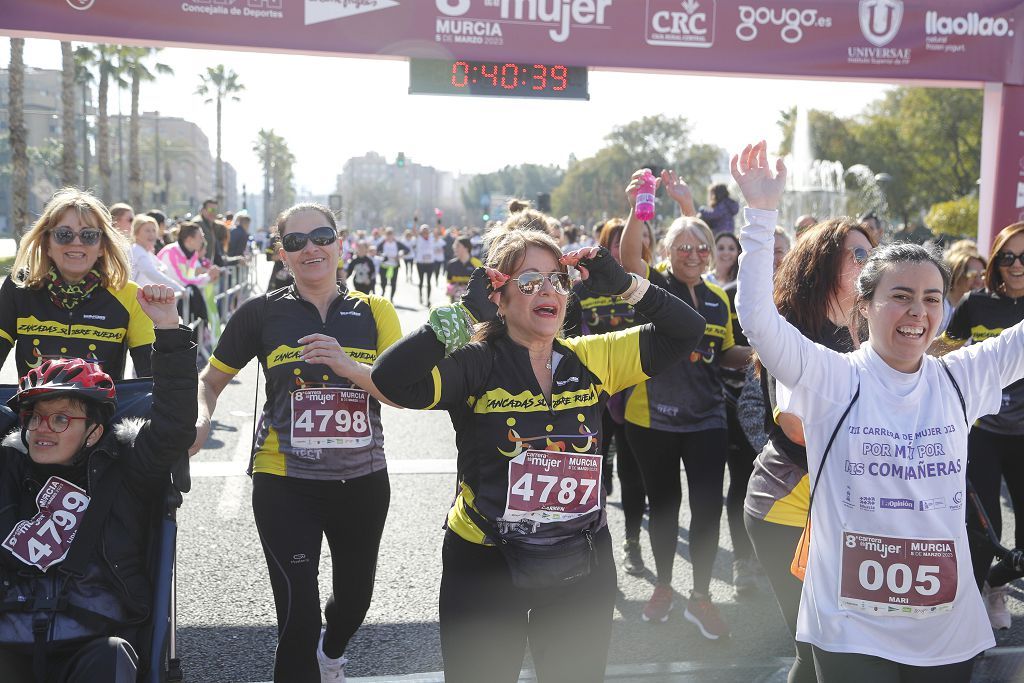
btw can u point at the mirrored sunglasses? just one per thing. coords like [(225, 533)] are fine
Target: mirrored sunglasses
[(701, 249), (530, 283), (321, 237), (88, 236), (860, 255)]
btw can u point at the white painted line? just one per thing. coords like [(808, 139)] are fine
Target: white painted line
[(231, 495), (235, 468)]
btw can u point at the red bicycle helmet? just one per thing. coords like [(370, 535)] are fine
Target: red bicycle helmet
[(65, 377)]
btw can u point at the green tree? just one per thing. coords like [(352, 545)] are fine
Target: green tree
[(277, 161), (139, 72), (955, 218), (216, 85), (18, 137), (595, 187), (524, 181), (105, 59)]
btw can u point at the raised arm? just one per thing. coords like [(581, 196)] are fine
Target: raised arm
[(631, 246)]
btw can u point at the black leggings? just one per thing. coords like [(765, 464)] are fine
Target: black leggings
[(847, 667), (703, 455), (425, 271), (292, 516), (992, 457), (110, 660), (388, 277), (774, 545), (486, 622), (741, 466), (631, 482)]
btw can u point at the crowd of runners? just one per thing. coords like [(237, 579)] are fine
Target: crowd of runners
[(851, 382)]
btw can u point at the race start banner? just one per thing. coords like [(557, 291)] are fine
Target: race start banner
[(945, 42)]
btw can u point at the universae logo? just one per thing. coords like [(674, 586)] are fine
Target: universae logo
[(880, 20), (81, 4)]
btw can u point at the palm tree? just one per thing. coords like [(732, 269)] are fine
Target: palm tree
[(84, 77), (277, 161), (136, 68), (216, 84), (264, 149), (69, 155), (18, 137), (106, 60)]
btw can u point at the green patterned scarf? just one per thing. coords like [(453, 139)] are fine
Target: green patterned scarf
[(68, 296)]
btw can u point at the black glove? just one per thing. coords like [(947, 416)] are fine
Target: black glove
[(475, 299), (605, 276)]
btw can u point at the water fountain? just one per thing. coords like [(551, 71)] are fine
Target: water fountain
[(814, 186)]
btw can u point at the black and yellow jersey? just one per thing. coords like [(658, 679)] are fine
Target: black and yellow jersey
[(589, 313), (979, 316), (100, 329), (688, 397), (500, 413), (778, 490), (459, 272), (314, 424)]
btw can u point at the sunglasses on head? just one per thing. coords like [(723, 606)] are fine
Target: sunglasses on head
[(88, 236), (701, 249), (530, 283), (860, 255), (1006, 258), (321, 237)]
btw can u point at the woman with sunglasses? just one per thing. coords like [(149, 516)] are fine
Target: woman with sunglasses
[(681, 415), (527, 556), (887, 594), (318, 468), (967, 268), (997, 441), (815, 290), (69, 295)]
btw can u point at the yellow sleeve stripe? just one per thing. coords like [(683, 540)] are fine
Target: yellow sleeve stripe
[(389, 330), (223, 367), (9, 338), (435, 374)]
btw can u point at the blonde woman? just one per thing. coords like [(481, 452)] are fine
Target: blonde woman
[(69, 295), (147, 269)]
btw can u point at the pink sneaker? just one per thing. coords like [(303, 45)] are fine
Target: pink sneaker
[(660, 604), (704, 615)]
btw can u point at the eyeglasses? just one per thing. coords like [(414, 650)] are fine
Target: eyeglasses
[(702, 249), (321, 237), (1005, 259), (530, 283), (64, 235), (972, 274), (860, 255), (56, 422)]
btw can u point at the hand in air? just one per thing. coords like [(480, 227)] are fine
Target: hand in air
[(603, 275), (634, 185), (157, 301), (679, 191), (760, 187)]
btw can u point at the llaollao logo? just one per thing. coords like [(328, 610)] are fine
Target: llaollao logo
[(81, 4), (880, 20)]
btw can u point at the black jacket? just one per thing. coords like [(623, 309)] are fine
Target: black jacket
[(145, 451)]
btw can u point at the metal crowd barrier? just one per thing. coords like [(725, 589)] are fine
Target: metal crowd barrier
[(236, 284)]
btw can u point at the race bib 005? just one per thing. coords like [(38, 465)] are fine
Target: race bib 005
[(44, 540), (331, 417), (549, 486), (905, 577)]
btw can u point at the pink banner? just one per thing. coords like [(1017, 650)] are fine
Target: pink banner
[(945, 40), (1008, 199)]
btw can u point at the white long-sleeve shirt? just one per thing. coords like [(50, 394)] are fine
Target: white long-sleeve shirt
[(147, 269), (889, 571)]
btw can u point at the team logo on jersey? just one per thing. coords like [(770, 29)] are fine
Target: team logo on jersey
[(549, 441)]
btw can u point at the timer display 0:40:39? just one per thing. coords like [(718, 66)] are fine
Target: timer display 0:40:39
[(508, 76)]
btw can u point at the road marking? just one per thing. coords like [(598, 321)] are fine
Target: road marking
[(234, 469), (231, 495)]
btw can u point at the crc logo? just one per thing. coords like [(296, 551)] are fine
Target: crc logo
[(791, 22), (81, 4), (690, 23), (880, 20)]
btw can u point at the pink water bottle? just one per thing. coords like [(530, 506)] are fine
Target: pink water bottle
[(645, 197)]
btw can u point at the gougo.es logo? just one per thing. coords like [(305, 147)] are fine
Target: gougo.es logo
[(791, 22)]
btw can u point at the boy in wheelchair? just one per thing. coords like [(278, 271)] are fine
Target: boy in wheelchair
[(75, 498)]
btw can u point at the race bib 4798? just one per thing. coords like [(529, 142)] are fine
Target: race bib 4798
[(331, 417)]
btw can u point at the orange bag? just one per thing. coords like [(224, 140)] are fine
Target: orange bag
[(798, 567)]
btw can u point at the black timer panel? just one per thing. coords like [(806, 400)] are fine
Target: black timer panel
[(497, 79)]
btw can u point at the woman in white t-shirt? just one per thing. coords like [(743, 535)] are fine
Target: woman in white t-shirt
[(147, 269), (423, 251), (889, 594)]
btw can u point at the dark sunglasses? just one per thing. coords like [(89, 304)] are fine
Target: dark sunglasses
[(701, 249), (64, 235), (860, 255), (321, 237), (1006, 258), (530, 283)]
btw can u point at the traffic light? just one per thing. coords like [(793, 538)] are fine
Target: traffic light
[(400, 161), (486, 217)]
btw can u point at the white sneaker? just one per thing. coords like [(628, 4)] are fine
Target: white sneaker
[(331, 670), (995, 605)]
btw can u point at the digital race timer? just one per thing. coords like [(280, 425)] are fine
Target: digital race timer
[(497, 79)]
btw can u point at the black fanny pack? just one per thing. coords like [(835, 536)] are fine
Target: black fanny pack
[(542, 565)]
